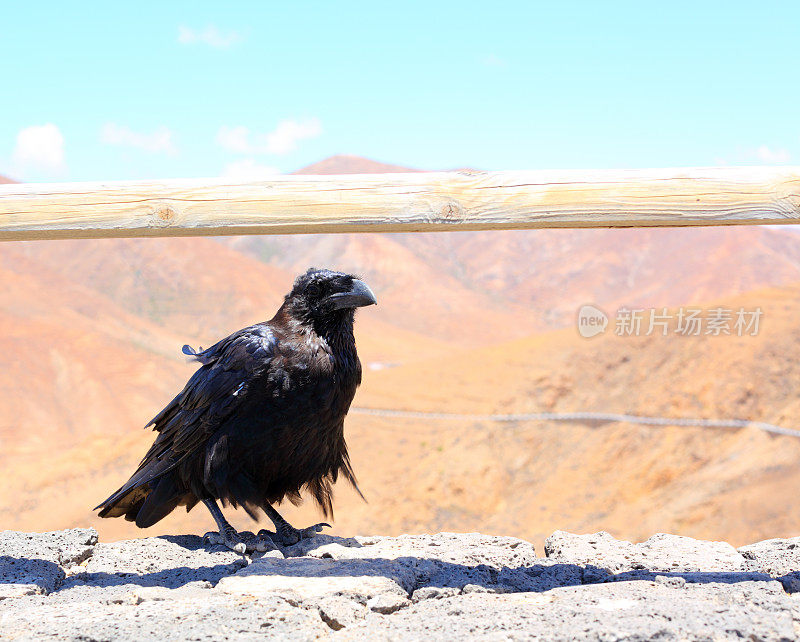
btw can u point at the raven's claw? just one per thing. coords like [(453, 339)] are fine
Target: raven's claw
[(289, 535), (242, 543)]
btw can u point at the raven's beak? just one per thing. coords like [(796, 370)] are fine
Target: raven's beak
[(358, 296)]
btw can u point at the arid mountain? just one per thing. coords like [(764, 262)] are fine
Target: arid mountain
[(554, 272), (549, 274), (529, 478), (6, 180), (414, 294), (545, 275), (60, 338), (466, 322), (191, 285), (86, 364), (348, 164)]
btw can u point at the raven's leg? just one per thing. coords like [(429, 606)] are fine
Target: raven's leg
[(229, 537), (288, 534), (227, 534)]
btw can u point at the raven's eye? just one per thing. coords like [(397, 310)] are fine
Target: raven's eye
[(313, 290)]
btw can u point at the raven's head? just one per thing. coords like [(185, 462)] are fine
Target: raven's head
[(327, 297)]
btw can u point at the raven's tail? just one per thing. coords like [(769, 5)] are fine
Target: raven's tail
[(124, 503), (144, 502), (162, 500)]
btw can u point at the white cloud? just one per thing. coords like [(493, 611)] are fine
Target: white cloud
[(210, 35), (40, 147), (159, 141), (493, 61), (772, 155), (281, 140), (249, 169), (234, 139), (762, 154)]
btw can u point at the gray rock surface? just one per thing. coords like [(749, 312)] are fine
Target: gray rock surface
[(779, 558), (67, 586), (33, 563), (661, 552)]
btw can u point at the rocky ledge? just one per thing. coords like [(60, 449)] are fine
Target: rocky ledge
[(67, 585)]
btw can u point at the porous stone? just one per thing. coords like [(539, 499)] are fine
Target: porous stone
[(65, 548), (478, 588), (635, 610), (211, 616), (662, 552), (34, 563), (387, 603), (21, 576), (465, 549), (320, 543), (307, 578), (434, 593), (427, 587), (338, 612), (168, 561), (775, 557), (442, 560)]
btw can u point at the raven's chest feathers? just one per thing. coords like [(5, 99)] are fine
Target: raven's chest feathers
[(288, 430)]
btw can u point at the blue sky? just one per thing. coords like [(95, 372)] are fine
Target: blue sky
[(192, 89)]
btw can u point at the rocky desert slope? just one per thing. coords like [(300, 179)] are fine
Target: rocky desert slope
[(66, 585), (471, 323), (525, 478)]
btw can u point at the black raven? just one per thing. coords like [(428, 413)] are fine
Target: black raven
[(260, 421)]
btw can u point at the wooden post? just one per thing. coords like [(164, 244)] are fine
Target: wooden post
[(418, 202)]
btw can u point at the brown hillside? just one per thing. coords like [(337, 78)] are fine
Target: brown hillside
[(191, 285), (348, 164), (85, 366), (530, 478), (92, 332), (414, 294), (201, 290), (556, 271), (75, 365), (544, 274)]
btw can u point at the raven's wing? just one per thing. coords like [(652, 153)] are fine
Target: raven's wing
[(211, 394)]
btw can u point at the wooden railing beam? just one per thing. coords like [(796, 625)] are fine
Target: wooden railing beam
[(418, 202)]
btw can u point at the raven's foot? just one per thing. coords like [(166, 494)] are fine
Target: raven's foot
[(244, 542), (288, 534), (229, 538), (261, 542)]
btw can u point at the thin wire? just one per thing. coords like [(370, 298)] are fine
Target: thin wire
[(582, 416)]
